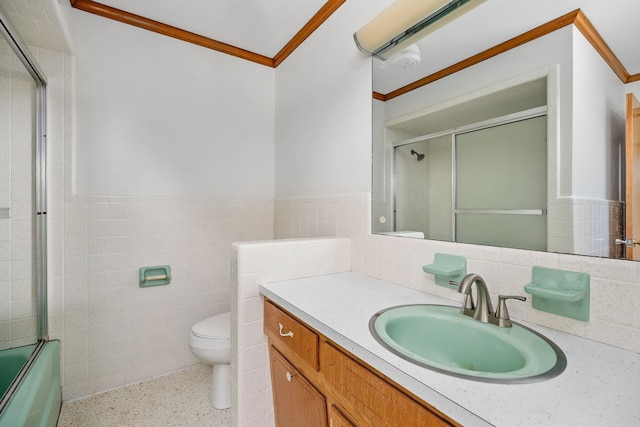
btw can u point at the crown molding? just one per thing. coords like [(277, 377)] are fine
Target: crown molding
[(575, 17), (167, 30)]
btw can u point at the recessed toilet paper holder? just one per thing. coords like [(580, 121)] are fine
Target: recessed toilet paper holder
[(154, 276)]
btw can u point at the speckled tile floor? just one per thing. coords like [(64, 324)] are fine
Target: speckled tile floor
[(178, 399)]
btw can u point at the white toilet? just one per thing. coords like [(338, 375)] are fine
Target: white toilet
[(210, 342)]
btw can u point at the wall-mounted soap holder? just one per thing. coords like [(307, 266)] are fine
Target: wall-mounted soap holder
[(154, 276), (561, 292), (447, 268)]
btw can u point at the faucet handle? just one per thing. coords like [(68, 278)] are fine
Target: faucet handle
[(502, 314)]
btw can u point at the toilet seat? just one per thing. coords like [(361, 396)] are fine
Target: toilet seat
[(216, 327)]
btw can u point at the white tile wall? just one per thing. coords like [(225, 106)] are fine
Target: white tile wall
[(586, 226), (338, 215), (346, 215), (263, 262), (598, 224), (113, 332)]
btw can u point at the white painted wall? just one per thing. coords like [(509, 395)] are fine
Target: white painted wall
[(323, 110), (633, 88), (162, 117), (598, 124)]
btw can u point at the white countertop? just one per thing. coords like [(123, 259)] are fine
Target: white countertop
[(600, 386)]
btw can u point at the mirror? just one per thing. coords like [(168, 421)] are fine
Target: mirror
[(520, 146)]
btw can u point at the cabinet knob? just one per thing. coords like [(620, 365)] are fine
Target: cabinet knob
[(282, 334), (289, 375)]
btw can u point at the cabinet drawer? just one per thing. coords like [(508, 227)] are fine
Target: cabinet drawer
[(377, 400), (289, 332)]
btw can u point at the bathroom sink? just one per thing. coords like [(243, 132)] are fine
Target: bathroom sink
[(440, 338)]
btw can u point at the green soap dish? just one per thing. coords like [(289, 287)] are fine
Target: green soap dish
[(447, 268), (561, 292)]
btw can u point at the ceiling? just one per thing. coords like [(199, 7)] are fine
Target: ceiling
[(258, 26)]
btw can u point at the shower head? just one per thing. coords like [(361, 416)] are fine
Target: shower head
[(419, 156)]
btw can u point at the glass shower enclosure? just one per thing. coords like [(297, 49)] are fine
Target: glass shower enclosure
[(23, 227)]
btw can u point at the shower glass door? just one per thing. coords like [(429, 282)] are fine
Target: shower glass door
[(18, 288), (501, 185), (23, 319)]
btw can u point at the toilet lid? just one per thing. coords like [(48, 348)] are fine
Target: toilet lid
[(214, 327)]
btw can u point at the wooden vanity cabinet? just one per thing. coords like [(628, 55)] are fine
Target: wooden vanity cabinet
[(296, 402), (293, 355), (317, 383)]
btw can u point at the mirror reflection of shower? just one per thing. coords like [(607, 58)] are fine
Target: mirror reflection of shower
[(446, 199), (419, 157)]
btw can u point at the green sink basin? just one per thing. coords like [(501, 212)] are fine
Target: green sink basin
[(440, 338)]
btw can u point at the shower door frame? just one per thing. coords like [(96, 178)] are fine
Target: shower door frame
[(21, 50)]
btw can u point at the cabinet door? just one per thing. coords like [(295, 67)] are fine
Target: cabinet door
[(296, 402), (336, 419)]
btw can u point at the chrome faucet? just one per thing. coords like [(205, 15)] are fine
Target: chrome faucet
[(482, 310)]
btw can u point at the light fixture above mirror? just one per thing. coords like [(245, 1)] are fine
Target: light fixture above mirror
[(406, 21)]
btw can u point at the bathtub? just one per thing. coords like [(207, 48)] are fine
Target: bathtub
[(37, 399)]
